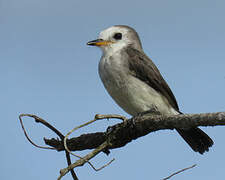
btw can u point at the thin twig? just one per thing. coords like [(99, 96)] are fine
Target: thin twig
[(179, 171), (81, 162), (45, 123), (110, 116), (37, 119), (97, 117), (73, 174), (85, 159), (98, 169)]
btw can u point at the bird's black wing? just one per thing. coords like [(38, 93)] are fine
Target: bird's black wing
[(144, 69)]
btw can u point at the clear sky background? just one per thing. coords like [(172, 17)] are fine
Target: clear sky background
[(47, 69)]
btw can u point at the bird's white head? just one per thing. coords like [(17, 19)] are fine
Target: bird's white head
[(117, 37)]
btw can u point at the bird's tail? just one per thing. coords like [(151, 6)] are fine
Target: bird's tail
[(197, 139)]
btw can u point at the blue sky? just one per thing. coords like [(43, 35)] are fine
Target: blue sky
[(47, 69)]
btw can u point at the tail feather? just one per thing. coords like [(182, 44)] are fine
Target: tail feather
[(198, 140)]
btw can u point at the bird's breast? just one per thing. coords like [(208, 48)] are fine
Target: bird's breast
[(129, 92), (113, 72)]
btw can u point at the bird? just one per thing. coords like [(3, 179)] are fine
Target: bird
[(135, 83)]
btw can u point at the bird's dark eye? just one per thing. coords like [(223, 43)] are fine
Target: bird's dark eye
[(117, 36)]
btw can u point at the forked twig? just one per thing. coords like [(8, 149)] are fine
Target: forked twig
[(37, 119), (42, 121), (81, 162), (98, 169), (97, 117), (86, 158)]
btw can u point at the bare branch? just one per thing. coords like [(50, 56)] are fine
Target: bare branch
[(45, 123), (129, 130), (182, 170), (97, 117), (136, 127), (81, 162), (37, 119)]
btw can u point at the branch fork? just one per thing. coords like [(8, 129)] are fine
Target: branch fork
[(119, 135)]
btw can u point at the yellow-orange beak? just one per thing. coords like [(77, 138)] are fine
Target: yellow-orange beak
[(99, 42)]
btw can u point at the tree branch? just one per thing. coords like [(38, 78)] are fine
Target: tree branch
[(121, 134)]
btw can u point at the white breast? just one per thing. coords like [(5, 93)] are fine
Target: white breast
[(130, 93)]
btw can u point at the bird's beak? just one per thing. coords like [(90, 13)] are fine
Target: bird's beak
[(99, 42)]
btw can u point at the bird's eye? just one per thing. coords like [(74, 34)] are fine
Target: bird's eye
[(117, 36)]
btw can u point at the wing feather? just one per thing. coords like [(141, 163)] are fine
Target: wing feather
[(144, 69)]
